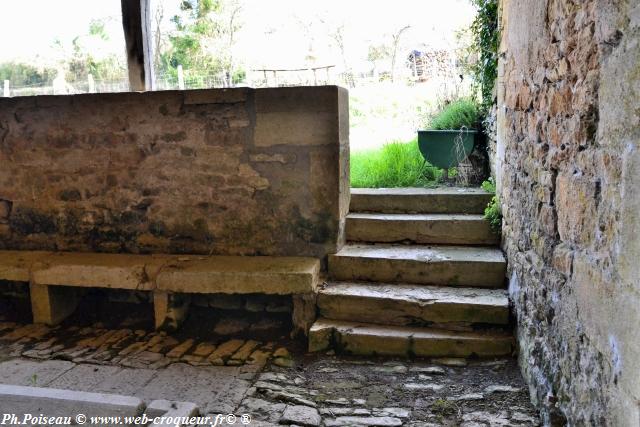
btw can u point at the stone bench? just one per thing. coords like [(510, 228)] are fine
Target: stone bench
[(53, 275)]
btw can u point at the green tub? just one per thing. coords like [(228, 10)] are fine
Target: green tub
[(438, 147)]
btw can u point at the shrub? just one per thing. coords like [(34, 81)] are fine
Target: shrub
[(456, 115), (493, 212), (396, 164)]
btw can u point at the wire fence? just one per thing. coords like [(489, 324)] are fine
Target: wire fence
[(326, 75)]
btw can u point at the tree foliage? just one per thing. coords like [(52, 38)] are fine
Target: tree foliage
[(203, 38), (20, 74)]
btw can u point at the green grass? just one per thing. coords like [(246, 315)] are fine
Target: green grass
[(396, 164), (456, 115)]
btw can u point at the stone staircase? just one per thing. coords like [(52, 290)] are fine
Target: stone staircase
[(421, 275)]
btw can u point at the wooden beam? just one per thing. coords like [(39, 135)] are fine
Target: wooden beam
[(135, 22)]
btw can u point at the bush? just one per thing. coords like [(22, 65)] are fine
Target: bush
[(396, 164), (456, 115)]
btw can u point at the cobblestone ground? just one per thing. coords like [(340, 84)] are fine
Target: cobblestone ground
[(240, 363)]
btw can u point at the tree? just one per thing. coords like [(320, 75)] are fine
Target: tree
[(336, 33), (377, 53), (87, 55), (20, 74), (395, 44), (204, 38)]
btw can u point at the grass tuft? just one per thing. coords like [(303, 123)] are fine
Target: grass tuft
[(456, 115), (396, 164)]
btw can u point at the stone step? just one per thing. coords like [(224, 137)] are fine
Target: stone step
[(419, 200), (430, 265), (456, 229), (414, 305), (369, 339)]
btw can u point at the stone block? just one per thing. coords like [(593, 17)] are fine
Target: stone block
[(419, 200), (170, 310), (300, 415), (16, 265), (121, 271), (400, 304), (304, 313), (218, 96), (435, 265), (370, 339), (66, 403), (420, 228), (295, 129), (170, 410), (237, 275), (52, 304)]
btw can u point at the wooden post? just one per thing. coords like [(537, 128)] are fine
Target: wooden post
[(180, 78), (6, 91), (92, 83), (137, 32)]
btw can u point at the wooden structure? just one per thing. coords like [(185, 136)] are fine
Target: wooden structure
[(135, 23), (311, 70)]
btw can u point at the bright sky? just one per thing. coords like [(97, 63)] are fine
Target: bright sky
[(276, 33)]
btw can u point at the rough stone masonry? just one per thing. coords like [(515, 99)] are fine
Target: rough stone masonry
[(228, 172), (568, 154)]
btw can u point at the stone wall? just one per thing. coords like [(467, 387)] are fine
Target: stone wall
[(237, 171), (569, 118)]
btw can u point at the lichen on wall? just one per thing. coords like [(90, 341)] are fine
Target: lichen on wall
[(231, 172), (570, 127)]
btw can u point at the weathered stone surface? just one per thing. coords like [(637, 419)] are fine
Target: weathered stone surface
[(438, 265), (304, 313), (225, 351), (419, 200), (33, 374), (63, 403), (568, 138), (320, 336), (399, 304), (230, 326), (220, 274), (200, 385), (179, 350), (369, 339), (363, 421), (16, 265), (455, 229), (52, 304), (301, 415), (262, 409), (245, 351), (97, 270), (170, 310), (222, 96), (175, 175)]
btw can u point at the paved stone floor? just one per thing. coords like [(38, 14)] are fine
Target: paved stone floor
[(239, 368)]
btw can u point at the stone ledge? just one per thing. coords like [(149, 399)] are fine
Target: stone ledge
[(229, 274), (54, 275), (177, 273)]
